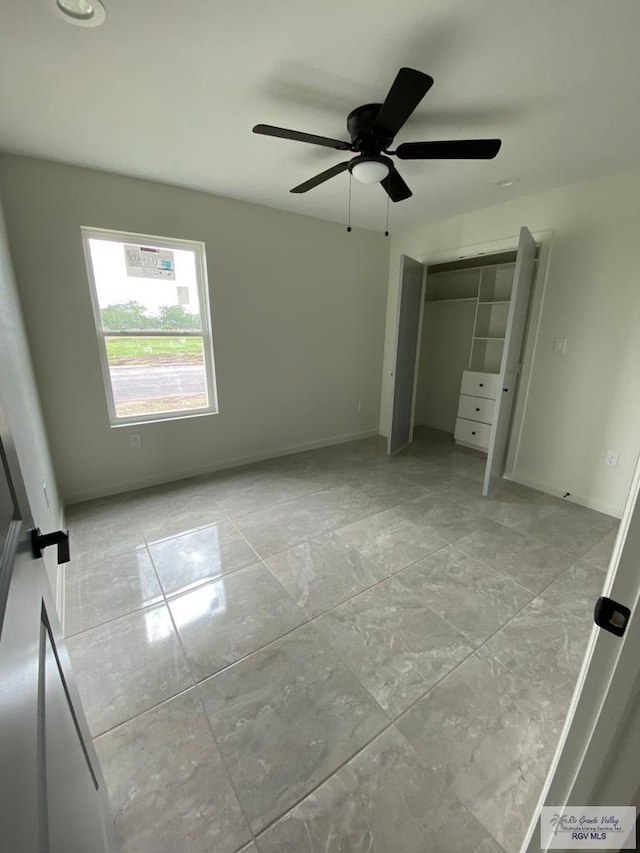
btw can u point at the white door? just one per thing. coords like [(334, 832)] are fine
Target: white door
[(410, 310), (52, 794), (511, 355), (596, 762)]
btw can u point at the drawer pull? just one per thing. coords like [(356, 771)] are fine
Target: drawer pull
[(481, 385), (477, 409), (473, 432)]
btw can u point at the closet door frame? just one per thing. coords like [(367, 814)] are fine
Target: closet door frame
[(544, 239)]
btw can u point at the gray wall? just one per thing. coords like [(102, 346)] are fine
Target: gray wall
[(298, 311), (20, 404)]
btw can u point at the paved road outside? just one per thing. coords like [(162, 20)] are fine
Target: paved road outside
[(147, 382)]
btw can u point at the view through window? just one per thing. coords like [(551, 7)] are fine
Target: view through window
[(152, 315)]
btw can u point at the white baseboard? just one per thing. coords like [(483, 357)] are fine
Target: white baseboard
[(590, 503), (132, 485)]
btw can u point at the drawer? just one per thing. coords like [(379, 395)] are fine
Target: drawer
[(480, 384), (473, 433), (476, 409)]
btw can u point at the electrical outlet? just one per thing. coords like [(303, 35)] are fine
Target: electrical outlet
[(46, 495), (136, 439), (560, 345), (611, 458)]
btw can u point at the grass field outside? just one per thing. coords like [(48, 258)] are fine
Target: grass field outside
[(149, 350), (158, 405)]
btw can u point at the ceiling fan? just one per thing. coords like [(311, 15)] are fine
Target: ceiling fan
[(372, 129)]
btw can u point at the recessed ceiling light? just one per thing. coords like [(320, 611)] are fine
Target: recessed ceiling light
[(82, 13), (506, 182)]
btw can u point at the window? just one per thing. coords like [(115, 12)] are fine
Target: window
[(151, 307)]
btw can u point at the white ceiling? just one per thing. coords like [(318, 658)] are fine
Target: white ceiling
[(170, 89)]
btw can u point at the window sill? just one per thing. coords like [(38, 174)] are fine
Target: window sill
[(161, 418)]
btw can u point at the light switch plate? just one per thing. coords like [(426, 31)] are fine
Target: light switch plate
[(560, 345)]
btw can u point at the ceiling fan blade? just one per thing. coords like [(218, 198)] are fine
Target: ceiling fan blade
[(406, 92), (455, 149), (395, 186), (297, 136), (321, 178)]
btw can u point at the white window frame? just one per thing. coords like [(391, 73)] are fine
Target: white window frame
[(205, 332)]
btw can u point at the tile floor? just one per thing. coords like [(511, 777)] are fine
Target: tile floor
[(331, 651)]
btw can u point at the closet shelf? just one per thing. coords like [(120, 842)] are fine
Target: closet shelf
[(482, 338), (459, 299), (493, 302)]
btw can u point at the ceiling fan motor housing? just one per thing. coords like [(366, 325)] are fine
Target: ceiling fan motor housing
[(359, 124)]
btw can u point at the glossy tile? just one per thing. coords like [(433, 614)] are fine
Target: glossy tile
[(285, 718), (448, 520), (489, 734), (391, 540), (339, 506), (446, 484), (271, 487), (468, 595), (468, 463), (386, 488), (572, 528), (531, 563), (201, 555), (128, 665), (278, 528), (167, 785), (102, 528), (323, 572), (97, 590), (369, 454), (601, 553), (385, 799), (179, 514), (396, 646), (222, 621), (547, 640), (310, 752), (508, 503), (512, 504), (409, 462)]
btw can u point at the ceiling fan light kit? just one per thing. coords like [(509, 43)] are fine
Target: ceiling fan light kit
[(370, 170), (373, 127)]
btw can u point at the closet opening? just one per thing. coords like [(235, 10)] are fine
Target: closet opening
[(462, 342), (459, 347)]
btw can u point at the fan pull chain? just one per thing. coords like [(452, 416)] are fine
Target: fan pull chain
[(349, 221), (386, 227)]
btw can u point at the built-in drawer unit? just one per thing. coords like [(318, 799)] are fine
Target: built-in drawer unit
[(476, 409), (478, 384), (472, 433)]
